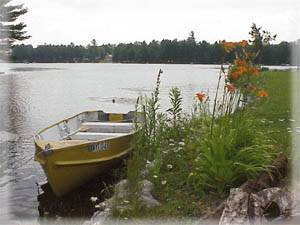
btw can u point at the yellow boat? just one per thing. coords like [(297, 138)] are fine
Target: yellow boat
[(74, 150)]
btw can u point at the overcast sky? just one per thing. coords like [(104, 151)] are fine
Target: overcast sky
[(115, 21)]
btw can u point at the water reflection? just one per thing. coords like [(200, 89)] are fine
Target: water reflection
[(19, 103), (18, 173)]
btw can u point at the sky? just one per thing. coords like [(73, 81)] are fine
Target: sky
[(125, 21)]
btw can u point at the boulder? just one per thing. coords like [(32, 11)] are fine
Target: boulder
[(263, 207), (120, 201)]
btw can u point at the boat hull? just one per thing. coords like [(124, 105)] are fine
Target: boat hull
[(71, 163)]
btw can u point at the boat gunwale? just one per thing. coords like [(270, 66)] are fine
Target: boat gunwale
[(67, 119), (84, 143)]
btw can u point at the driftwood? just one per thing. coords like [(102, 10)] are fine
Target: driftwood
[(263, 181)]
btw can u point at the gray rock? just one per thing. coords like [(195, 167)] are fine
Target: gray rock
[(120, 201), (264, 207), (122, 195), (236, 209), (148, 166)]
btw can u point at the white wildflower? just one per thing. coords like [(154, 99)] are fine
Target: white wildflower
[(163, 182), (154, 176), (94, 199), (181, 143), (177, 149), (169, 166)]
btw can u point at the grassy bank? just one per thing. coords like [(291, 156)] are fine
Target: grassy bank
[(193, 160), (276, 112)]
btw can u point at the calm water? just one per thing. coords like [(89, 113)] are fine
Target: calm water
[(33, 96)]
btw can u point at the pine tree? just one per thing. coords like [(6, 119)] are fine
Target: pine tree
[(10, 29)]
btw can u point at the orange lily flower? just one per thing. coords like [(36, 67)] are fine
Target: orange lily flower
[(262, 94), (242, 43), (242, 69), (200, 96), (227, 46), (254, 71), (229, 87), (236, 75), (241, 62)]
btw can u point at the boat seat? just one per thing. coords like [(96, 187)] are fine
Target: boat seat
[(93, 136), (108, 127)]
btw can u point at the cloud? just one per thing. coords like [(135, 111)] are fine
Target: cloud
[(79, 21)]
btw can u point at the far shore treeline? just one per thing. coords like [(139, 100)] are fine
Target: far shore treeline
[(165, 51)]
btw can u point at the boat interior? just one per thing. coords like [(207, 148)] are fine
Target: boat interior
[(90, 126)]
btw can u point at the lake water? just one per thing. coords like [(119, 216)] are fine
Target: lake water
[(34, 96)]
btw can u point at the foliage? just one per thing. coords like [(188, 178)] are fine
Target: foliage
[(233, 154), (61, 53), (231, 149), (11, 31), (165, 51), (176, 100), (259, 39), (191, 158)]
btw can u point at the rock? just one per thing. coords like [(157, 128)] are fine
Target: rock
[(272, 203), (146, 197), (148, 166), (122, 198), (122, 195), (263, 181), (258, 208), (236, 209), (98, 218)]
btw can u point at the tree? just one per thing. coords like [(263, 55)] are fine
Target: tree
[(260, 38), (191, 37), (11, 31)]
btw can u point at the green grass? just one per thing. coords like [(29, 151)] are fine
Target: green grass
[(193, 168), (276, 112)]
